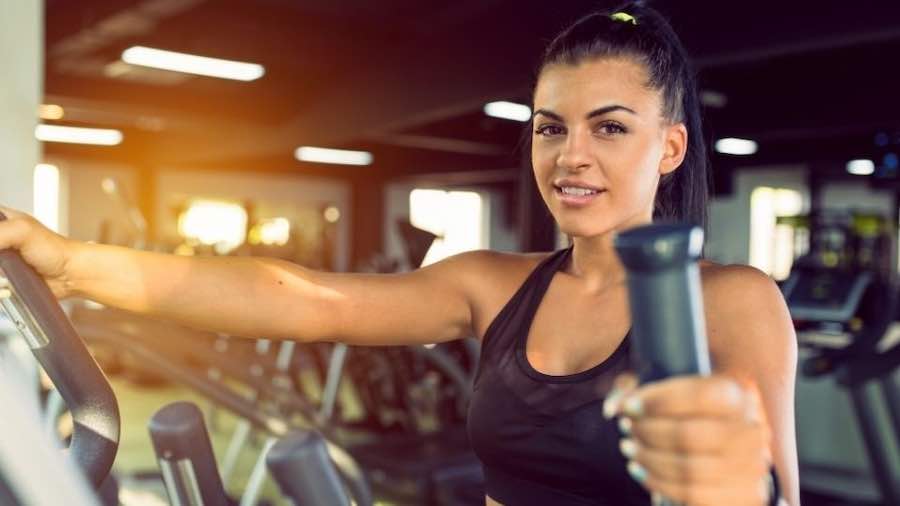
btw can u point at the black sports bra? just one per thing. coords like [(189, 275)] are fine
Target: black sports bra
[(543, 439)]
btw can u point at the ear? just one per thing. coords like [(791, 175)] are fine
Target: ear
[(674, 148)]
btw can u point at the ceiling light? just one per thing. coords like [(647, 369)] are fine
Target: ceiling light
[(336, 156), (714, 99), (508, 110), (861, 167), (51, 112), (109, 186), (332, 214), (192, 64), (77, 135), (734, 146)]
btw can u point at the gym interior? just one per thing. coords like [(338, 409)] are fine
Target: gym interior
[(382, 137)]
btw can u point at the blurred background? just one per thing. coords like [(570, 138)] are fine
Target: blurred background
[(345, 135)]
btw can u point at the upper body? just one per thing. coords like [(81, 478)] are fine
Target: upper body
[(615, 144), (537, 414)]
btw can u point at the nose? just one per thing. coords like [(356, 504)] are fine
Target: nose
[(575, 153)]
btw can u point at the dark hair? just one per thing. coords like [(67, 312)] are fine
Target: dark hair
[(645, 36)]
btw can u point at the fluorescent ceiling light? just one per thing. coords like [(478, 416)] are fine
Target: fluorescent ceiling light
[(861, 167), (51, 112), (77, 135), (734, 146), (192, 64), (337, 156), (712, 98), (508, 110)]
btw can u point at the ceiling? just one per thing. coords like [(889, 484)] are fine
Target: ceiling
[(406, 79)]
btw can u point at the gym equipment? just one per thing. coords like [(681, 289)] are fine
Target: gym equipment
[(34, 310), (405, 461), (668, 328), (843, 300), (32, 470), (300, 465), (842, 239), (185, 456), (664, 291), (862, 307), (416, 242), (299, 462), (415, 400), (276, 418)]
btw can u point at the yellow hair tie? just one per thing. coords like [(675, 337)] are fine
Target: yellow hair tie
[(624, 17)]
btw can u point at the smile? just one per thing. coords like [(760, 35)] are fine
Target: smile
[(575, 196)]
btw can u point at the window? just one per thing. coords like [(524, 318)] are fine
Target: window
[(219, 224), (271, 231), (458, 218), (46, 195), (772, 247)]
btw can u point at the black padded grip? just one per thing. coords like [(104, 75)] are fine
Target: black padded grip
[(185, 455), (304, 471), (66, 360), (668, 328)]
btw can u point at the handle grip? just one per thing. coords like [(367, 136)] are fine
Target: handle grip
[(38, 316), (185, 456), (668, 327), (304, 471), (667, 324)]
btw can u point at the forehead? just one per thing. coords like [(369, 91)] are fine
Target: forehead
[(596, 83)]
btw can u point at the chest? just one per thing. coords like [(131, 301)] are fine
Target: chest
[(572, 333)]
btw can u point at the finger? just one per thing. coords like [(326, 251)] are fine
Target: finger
[(690, 396), (698, 435), (623, 386), (694, 468), (13, 232)]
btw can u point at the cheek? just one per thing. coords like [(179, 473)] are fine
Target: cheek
[(636, 177), (541, 159), (542, 165)]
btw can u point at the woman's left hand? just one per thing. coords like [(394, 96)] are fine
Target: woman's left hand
[(694, 440)]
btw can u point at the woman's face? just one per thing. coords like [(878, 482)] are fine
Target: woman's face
[(600, 145)]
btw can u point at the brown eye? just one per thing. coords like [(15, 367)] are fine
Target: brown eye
[(612, 128), (549, 130)]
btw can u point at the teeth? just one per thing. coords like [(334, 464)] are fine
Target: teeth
[(572, 190)]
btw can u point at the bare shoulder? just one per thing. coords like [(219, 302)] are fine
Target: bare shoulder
[(747, 319), (489, 279), (741, 280), (483, 268)]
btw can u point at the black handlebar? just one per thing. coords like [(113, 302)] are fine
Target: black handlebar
[(667, 323), (64, 357), (185, 455), (303, 470)]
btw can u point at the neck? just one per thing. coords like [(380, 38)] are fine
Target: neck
[(595, 261)]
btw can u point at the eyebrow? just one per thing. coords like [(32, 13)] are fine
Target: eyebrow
[(596, 112)]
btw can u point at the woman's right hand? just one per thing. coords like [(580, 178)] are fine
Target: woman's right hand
[(46, 251)]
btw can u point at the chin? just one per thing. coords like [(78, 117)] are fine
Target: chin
[(585, 226), (584, 229)]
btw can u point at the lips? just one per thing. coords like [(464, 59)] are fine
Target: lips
[(575, 183), (575, 193), (576, 196)]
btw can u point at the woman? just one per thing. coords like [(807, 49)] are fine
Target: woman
[(556, 417)]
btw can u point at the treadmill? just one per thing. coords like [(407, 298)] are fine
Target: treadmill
[(842, 317)]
